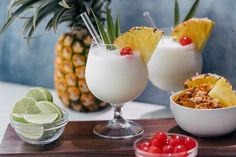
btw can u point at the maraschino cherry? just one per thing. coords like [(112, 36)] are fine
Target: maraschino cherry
[(185, 41), (126, 51)]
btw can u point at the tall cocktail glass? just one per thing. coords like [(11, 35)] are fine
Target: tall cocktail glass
[(171, 64), (115, 79)]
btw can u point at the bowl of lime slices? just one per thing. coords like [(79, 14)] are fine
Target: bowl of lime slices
[(36, 119)]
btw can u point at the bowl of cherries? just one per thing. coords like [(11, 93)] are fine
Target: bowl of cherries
[(166, 145)]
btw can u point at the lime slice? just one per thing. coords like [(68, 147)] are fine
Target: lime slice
[(40, 118), (46, 93), (19, 118), (26, 105), (30, 132), (39, 94), (47, 107)]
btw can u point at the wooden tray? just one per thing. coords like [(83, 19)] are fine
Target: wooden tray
[(78, 140)]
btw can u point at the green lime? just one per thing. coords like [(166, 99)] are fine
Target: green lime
[(46, 93), (19, 118), (40, 118), (47, 107), (36, 94), (26, 105), (33, 132)]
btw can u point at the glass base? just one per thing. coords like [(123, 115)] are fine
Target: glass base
[(113, 130)]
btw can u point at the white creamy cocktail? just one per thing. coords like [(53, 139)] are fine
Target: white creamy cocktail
[(171, 64), (117, 73), (115, 78)]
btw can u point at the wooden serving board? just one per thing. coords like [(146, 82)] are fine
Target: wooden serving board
[(78, 140)]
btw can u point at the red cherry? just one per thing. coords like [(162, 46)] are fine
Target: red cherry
[(126, 51), (167, 149), (144, 145), (179, 149), (159, 139), (176, 140), (156, 143), (180, 138), (155, 150), (185, 41), (160, 135), (189, 143)]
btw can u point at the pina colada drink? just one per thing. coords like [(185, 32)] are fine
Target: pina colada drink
[(178, 57), (172, 63), (115, 78), (117, 73)]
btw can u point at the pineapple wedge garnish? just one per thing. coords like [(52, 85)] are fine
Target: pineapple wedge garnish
[(224, 93), (197, 29), (140, 39), (201, 79)]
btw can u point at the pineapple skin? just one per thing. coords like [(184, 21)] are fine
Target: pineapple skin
[(69, 74)]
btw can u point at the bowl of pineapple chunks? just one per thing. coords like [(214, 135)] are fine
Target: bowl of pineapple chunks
[(206, 107)]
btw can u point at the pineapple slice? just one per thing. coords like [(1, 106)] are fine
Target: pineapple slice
[(140, 39), (202, 79), (224, 93), (197, 29)]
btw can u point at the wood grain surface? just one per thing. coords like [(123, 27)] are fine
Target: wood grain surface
[(78, 140)]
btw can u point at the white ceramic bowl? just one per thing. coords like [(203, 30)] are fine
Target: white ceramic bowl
[(204, 122)]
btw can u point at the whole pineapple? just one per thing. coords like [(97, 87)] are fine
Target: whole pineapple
[(72, 47), (69, 76)]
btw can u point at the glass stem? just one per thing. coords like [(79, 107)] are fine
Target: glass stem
[(118, 121)]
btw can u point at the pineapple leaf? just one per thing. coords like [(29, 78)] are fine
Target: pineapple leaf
[(27, 26), (16, 3), (21, 2), (87, 5), (49, 24), (176, 16), (56, 18), (64, 4), (29, 37), (41, 15), (46, 10), (192, 10), (102, 32), (65, 18), (62, 18), (41, 7), (10, 7), (110, 26), (16, 14), (36, 14), (117, 29), (105, 37), (98, 5)]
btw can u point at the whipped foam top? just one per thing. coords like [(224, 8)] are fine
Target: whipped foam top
[(103, 52), (168, 41)]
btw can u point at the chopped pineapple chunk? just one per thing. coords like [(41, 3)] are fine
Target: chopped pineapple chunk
[(201, 79), (224, 93)]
